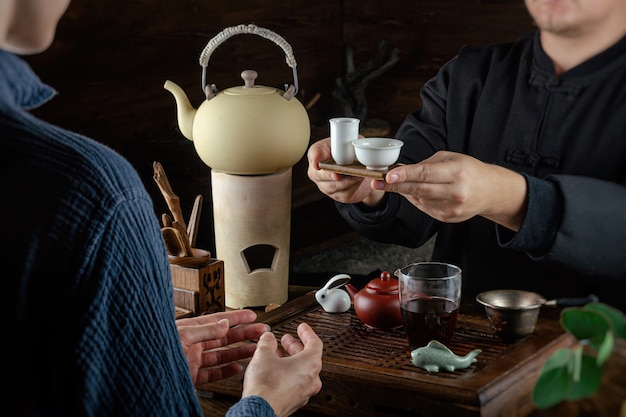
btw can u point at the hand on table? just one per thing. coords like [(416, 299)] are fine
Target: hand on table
[(201, 337)]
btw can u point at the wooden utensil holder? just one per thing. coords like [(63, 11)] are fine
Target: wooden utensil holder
[(199, 288)]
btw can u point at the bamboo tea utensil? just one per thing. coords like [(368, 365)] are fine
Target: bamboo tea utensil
[(180, 228), (199, 257), (172, 200), (166, 219), (194, 220), (173, 241)]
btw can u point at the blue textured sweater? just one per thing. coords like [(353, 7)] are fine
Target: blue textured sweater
[(85, 273)]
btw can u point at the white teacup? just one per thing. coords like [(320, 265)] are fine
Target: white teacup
[(377, 153), (343, 130)]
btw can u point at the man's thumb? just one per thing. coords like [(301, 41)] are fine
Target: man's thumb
[(267, 341)]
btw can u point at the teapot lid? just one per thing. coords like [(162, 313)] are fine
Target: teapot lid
[(249, 88), (258, 90), (383, 284)]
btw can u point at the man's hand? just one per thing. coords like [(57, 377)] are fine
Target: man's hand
[(207, 342), (452, 187), (286, 378), (342, 188)]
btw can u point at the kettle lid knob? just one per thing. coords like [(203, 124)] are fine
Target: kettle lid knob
[(248, 77)]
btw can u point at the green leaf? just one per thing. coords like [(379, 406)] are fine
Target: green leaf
[(575, 369), (616, 318), (571, 374), (605, 348), (552, 387), (584, 324), (589, 382), (560, 358)]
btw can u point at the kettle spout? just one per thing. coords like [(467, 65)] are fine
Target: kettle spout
[(185, 111)]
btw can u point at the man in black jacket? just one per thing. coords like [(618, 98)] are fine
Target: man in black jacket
[(516, 160)]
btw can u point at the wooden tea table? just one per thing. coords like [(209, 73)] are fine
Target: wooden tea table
[(367, 372)]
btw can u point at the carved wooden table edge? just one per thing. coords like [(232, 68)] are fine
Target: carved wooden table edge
[(356, 386)]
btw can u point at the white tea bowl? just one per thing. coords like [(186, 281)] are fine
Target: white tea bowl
[(377, 153)]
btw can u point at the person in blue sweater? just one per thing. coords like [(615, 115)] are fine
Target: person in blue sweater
[(87, 280), (515, 161)]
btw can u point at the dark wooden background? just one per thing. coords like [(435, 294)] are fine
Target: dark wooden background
[(111, 58)]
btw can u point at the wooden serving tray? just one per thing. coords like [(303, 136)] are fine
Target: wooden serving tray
[(355, 169), (368, 372)]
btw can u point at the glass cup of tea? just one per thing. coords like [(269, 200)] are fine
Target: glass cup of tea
[(430, 295)]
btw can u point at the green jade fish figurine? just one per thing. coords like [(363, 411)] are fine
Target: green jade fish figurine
[(436, 355)]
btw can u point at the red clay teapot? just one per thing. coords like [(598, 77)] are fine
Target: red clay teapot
[(378, 303)]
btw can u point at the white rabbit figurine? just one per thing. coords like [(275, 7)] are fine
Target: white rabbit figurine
[(332, 298)]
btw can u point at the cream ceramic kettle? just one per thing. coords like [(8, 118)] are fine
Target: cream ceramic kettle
[(249, 129)]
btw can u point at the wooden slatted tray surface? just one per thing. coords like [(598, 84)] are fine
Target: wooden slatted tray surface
[(368, 372)]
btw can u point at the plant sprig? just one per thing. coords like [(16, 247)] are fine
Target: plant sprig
[(576, 373)]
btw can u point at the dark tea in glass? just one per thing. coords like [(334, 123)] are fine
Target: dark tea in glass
[(427, 319), (430, 295)]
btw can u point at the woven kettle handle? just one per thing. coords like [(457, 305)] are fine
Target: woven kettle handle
[(252, 29)]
